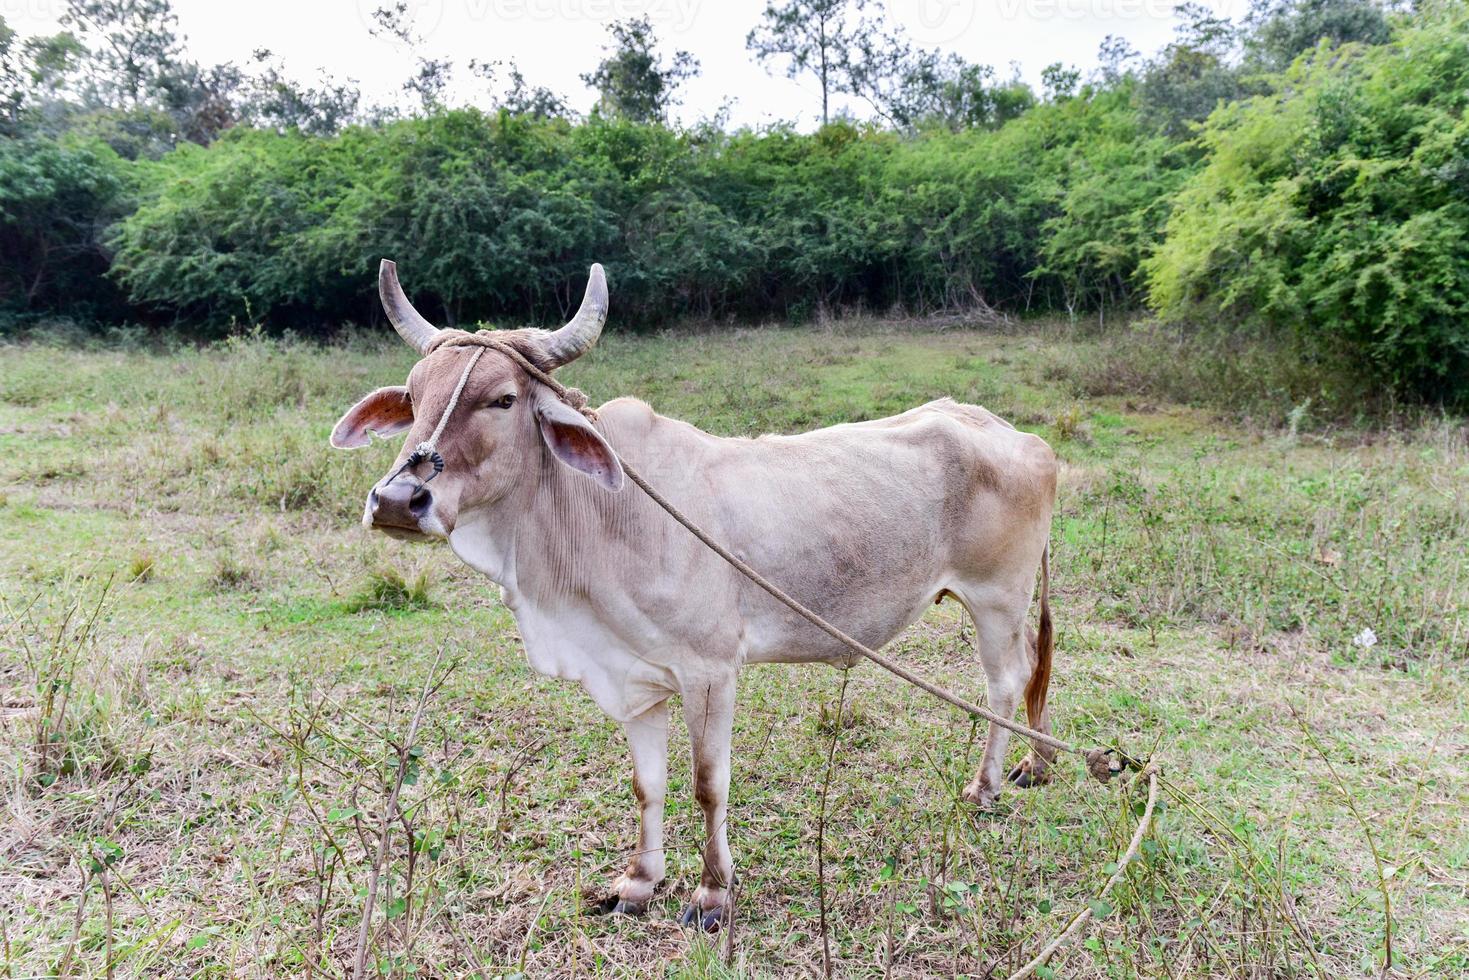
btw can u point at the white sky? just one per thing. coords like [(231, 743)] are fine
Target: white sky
[(556, 40)]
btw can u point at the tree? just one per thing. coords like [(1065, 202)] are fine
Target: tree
[(269, 98), (632, 80), (1330, 210), (520, 98), (1283, 29), (12, 83), (1113, 56), (57, 199), (1059, 82), (122, 76), (1195, 73), (822, 38), (932, 89), (431, 75), (133, 45)]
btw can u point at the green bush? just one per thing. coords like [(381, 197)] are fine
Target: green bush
[(1336, 208), (1325, 214), (57, 198), (498, 215)]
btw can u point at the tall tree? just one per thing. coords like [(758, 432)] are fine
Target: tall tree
[(431, 76), (1191, 76), (1059, 81), (1282, 29), (270, 98), (520, 98), (633, 81), (821, 38), (1113, 56), (929, 88), (12, 82), (132, 44)]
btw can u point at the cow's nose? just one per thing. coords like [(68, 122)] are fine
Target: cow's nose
[(401, 503)]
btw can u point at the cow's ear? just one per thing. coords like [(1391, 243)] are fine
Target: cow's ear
[(571, 439), (386, 411)]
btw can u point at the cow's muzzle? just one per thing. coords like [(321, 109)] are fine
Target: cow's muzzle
[(401, 504)]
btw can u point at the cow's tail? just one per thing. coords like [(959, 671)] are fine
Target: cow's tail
[(1045, 645)]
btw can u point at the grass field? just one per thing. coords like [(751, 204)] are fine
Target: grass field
[(206, 663)]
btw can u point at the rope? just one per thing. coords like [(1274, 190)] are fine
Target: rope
[(433, 440), (1102, 764)]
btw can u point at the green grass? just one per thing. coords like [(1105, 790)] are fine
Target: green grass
[(208, 752)]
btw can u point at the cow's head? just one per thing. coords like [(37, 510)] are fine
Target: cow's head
[(499, 429)]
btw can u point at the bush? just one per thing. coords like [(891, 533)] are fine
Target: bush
[(57, 198), (1334, 209)]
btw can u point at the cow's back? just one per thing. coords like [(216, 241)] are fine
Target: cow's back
[(867, 522)]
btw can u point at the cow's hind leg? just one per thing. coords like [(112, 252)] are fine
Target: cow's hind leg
[(1000, 631), (647, 741), (709, 713), (1034, 769)]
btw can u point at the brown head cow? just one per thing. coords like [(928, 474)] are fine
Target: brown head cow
[(867, 523)]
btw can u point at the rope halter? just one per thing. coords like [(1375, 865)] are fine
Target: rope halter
[(482, 341), (428, 449)]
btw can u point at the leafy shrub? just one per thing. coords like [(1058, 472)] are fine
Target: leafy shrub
[(57, 198), (1334, 209)]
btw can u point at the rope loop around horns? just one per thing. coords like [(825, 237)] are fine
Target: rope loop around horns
[(574, 397)]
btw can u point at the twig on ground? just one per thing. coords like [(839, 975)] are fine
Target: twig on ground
[(831, 753), (1126, 859), (390, 810)]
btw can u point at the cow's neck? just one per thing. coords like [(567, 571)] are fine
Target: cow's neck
[(554, 537)]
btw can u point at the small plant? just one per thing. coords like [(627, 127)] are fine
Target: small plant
[(1070, 425), (140, 569), (52, 654), (386, 588), (832, 718), (230, 573)]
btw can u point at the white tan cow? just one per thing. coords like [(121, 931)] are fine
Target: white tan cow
[(867, 523)]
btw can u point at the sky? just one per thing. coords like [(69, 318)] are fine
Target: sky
[(555, 41)]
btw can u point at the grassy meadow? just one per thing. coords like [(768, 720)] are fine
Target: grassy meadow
[(209, 672)]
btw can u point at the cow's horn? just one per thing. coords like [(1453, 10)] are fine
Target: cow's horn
[(409, 323), (582, 330)]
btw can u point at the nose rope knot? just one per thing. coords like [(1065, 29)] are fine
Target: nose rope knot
[(428, 449)]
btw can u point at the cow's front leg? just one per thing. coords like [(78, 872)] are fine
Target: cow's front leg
[(710, 716), (647, 740)]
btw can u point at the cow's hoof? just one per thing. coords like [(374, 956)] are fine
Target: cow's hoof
[(709, 920), (980, 795), (1025, 776), (617, 905)]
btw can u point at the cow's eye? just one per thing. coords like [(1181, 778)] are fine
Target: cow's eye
[(505, 401)]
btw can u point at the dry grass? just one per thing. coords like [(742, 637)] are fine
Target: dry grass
[(201, 758)]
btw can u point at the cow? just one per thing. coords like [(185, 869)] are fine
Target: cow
[(866, 523)]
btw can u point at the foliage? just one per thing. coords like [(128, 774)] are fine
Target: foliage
[(1319, 205), (632, 80), (1334, 207), (822, 38), (1194, 74), (57, 198), (1283, 29)]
